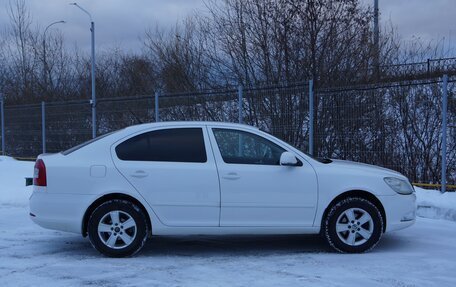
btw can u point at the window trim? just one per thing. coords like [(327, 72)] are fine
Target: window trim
[(214, 139), (141, 132)]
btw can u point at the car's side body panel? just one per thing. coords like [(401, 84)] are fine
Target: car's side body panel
[(59, 211), (181, 193), (76, 180), (342, 176), (400, 210), (265, 195)]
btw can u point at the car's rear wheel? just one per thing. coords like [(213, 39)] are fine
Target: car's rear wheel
[(118, 228), (353, 225)]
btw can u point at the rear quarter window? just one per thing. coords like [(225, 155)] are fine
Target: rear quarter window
[(75, 148)]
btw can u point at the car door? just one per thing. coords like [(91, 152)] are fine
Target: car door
[(174, 170), (255, 189)]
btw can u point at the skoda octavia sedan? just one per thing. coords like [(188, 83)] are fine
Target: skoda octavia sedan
[(183, 178)]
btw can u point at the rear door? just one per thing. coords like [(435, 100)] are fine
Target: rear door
[(175, 171)]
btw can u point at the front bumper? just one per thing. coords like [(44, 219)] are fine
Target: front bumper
[(400, 210)]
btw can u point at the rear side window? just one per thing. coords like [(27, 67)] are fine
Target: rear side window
[(173, 145)]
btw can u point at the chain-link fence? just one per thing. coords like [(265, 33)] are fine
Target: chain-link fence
[(396, 125), (220, 105), (66, 125), (22, 133), (451, 133), (282, 111)]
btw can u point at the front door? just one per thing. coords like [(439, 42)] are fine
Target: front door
[(255, 189)]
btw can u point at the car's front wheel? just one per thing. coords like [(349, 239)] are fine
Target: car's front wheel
[(118, 228), (353, 225)]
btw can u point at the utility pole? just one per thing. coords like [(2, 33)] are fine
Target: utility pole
[(94, 97), (376, 38)]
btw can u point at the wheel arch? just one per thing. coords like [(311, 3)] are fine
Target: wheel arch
[(107, 197), (357, 193)]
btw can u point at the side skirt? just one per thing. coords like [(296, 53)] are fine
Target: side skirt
[(233, 230)]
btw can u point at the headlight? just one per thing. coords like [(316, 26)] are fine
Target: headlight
[(398, 185)]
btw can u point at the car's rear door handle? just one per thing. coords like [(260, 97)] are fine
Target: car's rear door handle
[(139, 174), (231, 176)]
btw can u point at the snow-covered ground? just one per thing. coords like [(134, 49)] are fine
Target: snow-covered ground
[(423, 255), (12, 181), (433, 204)]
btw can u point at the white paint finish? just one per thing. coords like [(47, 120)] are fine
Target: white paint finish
[(396, 207), (182, 194), (343, 176), (258, 199), (98, 171), (265, 195), (59, 211), (288, 159)]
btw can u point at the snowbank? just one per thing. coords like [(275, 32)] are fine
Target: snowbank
[(433, 204), (12, 181)]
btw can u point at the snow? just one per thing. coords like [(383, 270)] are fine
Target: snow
[(422, 255), (433, 204), (12, 181)]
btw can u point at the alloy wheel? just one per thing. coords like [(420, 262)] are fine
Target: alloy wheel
[(117, 229), (354, 226)]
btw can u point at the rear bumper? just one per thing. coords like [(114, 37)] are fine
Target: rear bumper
[(400, 211), (62, 212)]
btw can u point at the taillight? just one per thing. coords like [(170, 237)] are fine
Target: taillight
[(39, 176)]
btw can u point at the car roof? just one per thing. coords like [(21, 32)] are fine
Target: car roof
[(189, 124)]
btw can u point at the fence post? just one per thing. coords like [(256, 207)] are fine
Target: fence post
[(43, 125), (428, 67), (444, 131), (240, 100), (94, 118), (2, 118), (311, 118), (157, 115)]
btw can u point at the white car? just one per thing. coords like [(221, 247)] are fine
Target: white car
[(206, 178)]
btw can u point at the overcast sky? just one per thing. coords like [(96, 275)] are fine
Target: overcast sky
[(121, 22)]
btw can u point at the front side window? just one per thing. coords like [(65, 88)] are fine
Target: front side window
[(239, 147), (172, 145)]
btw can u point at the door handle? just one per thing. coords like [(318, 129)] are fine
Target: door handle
[(139, 174), (231, 176)]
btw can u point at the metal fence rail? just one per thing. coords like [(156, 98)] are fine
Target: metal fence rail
[(397, 125), (431, 68)]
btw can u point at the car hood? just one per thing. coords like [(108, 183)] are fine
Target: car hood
[(366, 168)]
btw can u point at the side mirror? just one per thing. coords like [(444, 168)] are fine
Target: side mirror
[(288, 159)]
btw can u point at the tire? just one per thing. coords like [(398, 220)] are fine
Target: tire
[(353, 225), (108, 234)]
